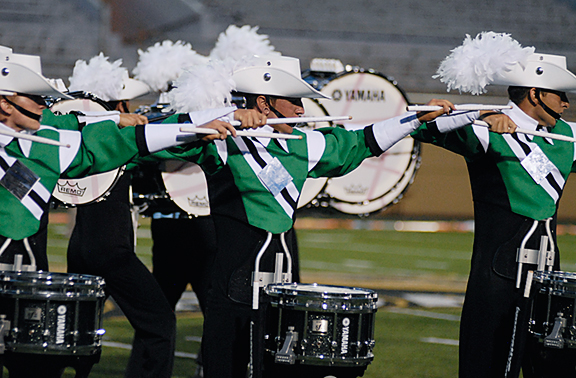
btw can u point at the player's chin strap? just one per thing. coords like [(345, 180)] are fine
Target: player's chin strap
[(551, 112), (542, 257), (27, 113), (280, 115)]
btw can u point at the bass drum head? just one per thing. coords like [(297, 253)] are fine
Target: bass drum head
[(312, 186), (88, 189), (186, 186), (370, 97)]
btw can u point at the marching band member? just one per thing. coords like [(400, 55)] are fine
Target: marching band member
[(254, 185), (30, 169), (516, 182)]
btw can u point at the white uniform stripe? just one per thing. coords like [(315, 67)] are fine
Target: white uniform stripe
[(316, 147), (33, 207), (521, 155), (483, 135), (41, 191), (263, 153), (67, 155)]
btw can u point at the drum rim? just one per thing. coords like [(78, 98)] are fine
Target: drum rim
[(355, 292)]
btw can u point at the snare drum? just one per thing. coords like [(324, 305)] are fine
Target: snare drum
[(553, 310), (52, 313), (90, 189), (378, 182), (329, 325)]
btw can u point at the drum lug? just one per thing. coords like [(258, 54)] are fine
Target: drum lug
[(286, 355), (555, 339), (4, 329)]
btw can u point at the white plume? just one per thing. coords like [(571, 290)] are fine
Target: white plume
[(203, 87), (237, 42), (479, 61), (100, 77), (162, 63)]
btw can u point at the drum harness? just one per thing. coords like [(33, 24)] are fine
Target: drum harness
[(262, 279), (544, 258)]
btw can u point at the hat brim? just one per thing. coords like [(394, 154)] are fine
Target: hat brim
[(133, 89), (274, 82), (543, 75), (16, 78)]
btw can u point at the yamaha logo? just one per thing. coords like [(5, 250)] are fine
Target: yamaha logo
[(69, 189), (345, 336), (361, 95), (61, 324)]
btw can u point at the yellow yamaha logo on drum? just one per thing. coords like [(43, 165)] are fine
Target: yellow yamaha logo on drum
[(378, 182)]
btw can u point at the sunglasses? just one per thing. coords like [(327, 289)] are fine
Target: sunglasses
[(293, 100), (560, 94), (37, 99)]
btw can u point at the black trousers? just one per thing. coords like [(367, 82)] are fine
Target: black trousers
[(181, 253), (102, 244), (38, 244), (494, 339), (229, 316)]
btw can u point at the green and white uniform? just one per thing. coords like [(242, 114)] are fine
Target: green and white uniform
[(516, 179), (265, 176), (518, 172), (29, 170)]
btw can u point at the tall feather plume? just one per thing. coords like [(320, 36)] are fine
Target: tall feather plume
[(162, 63), (99, 76), (237, 42), (203, 87), (208, 85), (479, 61)]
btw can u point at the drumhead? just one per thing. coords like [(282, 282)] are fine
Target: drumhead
[(89, 189), (61, 286), (186, 186), (378, 182), (316, 297), (322, 291)]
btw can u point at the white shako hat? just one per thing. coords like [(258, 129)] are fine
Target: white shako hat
[(496, 58), (108, 81), (275, 76), (543, 71), (22, 73)]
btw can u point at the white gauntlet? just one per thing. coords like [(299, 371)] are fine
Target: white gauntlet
[(455, 120), (388, 132)]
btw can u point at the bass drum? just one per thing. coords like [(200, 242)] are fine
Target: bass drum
[(186, 186), (378, 182), (312, 186), (90, 189)]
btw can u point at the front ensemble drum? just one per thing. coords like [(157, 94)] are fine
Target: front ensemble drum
[(320, 326), (92, 188), (368, 97), (52, 313), (553, 312)]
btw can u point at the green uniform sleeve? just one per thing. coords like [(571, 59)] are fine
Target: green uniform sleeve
[(462, 141), (344, 152)]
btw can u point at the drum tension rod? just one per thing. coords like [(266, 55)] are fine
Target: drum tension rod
[(286, 355), (555, 339)]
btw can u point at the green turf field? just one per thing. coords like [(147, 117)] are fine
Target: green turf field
[(411, 341)]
